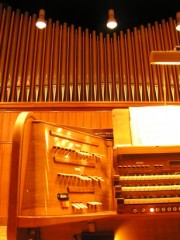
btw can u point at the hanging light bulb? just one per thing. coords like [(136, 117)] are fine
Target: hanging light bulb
[(41, 22), (178, 21), (111, 22)]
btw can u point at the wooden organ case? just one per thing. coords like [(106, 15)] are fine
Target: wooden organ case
[(59, 174), (147, 179)]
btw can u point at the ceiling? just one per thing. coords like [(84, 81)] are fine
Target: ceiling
[(93, 14)]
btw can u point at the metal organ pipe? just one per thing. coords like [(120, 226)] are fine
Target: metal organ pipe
[(61, 63)]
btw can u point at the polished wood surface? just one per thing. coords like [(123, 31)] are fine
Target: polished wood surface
[(83, 78), (59, 227), (3, 232), (33, 168)]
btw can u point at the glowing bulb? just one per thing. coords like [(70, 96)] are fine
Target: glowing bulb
[(151, 210)]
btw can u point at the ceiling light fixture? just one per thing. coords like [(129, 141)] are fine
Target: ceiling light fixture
[(111, 22), (165, 57), (41, 22), (178, 21)]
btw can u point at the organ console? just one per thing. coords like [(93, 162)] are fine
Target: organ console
[(62, 174), (147, 179), (58, 173), (147, 182)]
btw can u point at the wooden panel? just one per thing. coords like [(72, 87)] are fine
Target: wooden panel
[(7, 120), (7, 124), (3, 235), (5, 157), (63, 161), (121, 127), (89, 119), (126, 229)]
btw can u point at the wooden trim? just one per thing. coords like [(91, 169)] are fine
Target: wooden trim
[(16, 162), (77, 106)]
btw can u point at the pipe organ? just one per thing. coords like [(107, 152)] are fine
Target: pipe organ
[(70, 174), (61, 63)]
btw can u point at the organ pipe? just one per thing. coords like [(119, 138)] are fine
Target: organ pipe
[(62, 63)]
